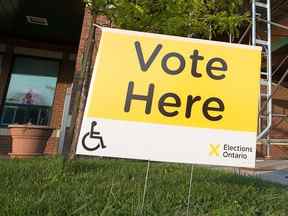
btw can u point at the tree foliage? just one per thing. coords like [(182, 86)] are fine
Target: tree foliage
[(196, 18)]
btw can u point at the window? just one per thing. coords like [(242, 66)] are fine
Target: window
[(31, 91)]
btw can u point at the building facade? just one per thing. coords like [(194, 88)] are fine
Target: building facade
[(38, 52), (42, 47)]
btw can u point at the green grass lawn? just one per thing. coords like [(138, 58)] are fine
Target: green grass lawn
[(115, 187)]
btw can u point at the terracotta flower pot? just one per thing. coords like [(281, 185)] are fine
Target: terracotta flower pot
[(28, 140)]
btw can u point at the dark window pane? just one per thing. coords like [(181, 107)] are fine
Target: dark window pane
[(8, 115), (33, 115), (44, 117), (20, 115)]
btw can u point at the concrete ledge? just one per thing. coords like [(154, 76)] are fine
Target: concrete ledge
[(268, 165)]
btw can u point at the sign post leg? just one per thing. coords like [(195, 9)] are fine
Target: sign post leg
[(145, 186), (190, 189)]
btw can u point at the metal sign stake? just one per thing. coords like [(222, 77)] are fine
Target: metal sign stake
[(190, 189), (145, 186)]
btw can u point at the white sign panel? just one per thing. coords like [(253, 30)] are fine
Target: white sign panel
[(163, 98)]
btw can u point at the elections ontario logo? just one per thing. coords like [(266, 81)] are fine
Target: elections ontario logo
[(229, 151)]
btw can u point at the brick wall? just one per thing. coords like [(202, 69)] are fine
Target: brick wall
[(65, 79), (279, 130), (86, 26), (278, 151), (87, 21), (87, 29), (280, 106)]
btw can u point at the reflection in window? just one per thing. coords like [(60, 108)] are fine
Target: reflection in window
[(31, 91)]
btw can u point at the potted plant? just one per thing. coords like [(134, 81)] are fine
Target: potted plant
[(28, 140)]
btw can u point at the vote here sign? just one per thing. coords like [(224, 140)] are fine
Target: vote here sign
[(165, 98)]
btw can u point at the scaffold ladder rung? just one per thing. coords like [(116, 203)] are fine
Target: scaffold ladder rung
[(264, 82), (264, 73), (264, 95), (261, 42), (261, 4)]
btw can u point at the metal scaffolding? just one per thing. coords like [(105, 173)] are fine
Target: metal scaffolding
[(261, 35), (262, 9)]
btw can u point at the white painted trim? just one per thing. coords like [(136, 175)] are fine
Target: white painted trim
[(177, 38), (2, 47), (66, 119), (38, 52), (56, 133)]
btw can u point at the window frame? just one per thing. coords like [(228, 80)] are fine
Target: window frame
[(15, 56)]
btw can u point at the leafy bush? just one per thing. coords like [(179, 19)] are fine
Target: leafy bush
[(197, 18)]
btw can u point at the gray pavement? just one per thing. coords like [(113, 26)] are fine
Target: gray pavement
[(276, 176), (268, 165), (275, 171)]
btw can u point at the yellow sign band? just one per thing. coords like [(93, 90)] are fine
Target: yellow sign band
[(168, 80)]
